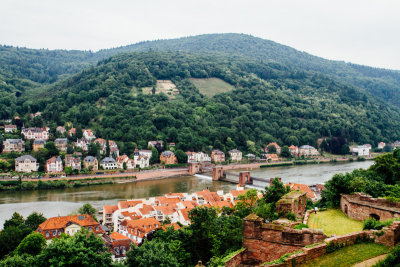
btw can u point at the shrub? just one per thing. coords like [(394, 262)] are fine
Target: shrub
[(392, 259), (300, 226), (291, 216), (372, 224)]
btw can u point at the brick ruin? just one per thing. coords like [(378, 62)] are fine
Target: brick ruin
[(265, 242), (294, 202), (269, 241), (360, 206)]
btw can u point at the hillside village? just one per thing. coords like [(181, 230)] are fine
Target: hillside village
[(70, 152)]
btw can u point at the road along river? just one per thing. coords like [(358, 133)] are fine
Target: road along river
[(56, 202)]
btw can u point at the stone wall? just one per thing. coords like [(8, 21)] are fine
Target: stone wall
[(360, 207), (294, 202), (236, 260), (269, 241)]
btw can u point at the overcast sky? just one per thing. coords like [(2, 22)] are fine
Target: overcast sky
[(363, 31)]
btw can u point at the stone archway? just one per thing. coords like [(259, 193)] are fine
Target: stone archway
[(375, 216)]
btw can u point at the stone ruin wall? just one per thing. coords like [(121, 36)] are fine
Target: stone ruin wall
[(267, 242), (360, 207)]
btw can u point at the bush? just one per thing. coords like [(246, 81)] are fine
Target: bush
[(291, 216), (300, 226), (372, 224), (393, 259)]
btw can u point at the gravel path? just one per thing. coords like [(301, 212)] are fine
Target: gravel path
[(370, 262)]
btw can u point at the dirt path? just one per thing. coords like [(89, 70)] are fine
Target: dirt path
[(370, 262)]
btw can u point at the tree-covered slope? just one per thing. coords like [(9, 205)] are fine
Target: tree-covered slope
[(270, 102), (380, 82)]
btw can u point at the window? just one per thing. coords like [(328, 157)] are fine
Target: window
[(97, 228), (47, 234), (90, 229), (59, 232), (116, 251), (54, 232)]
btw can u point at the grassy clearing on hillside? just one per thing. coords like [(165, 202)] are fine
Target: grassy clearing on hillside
[(211, 86), (162, 86), (333, 221), (349, 255)]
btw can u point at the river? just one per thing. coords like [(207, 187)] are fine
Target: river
[(65, 201)]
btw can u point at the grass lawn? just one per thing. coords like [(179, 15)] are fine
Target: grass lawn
[(349, 255), (211, 86), (333, 221)]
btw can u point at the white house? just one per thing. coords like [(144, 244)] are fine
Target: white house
[(235, 154), (361, 150), (26, 163), (108, 163), (54, 165)]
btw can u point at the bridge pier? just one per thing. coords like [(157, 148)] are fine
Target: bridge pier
[(217, 173), (244, 178), (194, 168)]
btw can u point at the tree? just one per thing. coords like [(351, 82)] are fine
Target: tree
[(19, 261), (10, 238), (181, 156), (124, 166), (285, 152), (246, 203), (155, 157), (154, 253), (78, 132), (107, 148), (275, 191), (82, 249), (271, 149), (93, 149), (34, 220), (68, 170), (51, 148), (15, 220), (88, 209), (32, 244)]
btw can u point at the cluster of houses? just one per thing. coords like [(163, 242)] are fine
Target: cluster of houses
[(131, 221)]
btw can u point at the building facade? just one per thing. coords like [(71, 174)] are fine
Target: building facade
[(26, 163)]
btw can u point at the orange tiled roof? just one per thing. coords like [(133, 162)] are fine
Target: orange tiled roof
[(221, 204), (167, 201), (132, 215), (174, 195), (304, 188), (118, 236), (128, 203), (110, 209), (146, 209), (61, 222), (173, 225), (190, 204), (166, 210), (185, 214), (209, 196), (236, 193)]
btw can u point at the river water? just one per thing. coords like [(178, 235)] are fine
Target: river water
[(65, 201)]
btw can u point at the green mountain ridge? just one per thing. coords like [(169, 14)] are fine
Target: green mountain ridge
[(275, 99), (269, 103), (55, 64)]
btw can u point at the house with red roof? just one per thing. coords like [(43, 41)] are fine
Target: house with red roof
[(117, 244), (138, 229), (304, 188), (55, 226)]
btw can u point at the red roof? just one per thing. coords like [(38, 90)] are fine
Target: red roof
[(146, 209), (173, 225), (128, 204), (209, 196), (303, 188), (110, 209), (118, 236), (190, 204)]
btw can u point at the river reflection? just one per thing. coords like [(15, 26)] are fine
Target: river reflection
[(65, 201)]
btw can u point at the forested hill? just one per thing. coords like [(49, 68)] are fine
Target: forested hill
[(33, 67), (269, 102), (380, 82)]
